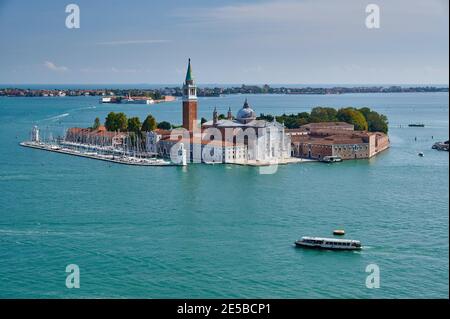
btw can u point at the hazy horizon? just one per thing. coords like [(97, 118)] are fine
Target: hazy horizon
[(223, 85)]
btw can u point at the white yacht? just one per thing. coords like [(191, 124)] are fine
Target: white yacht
[(328, 243)]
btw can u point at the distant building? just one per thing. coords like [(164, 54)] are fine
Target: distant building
[(329, 139)]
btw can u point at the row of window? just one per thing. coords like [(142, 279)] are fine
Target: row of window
[(350, 148), (320, 242), (337, 243), (311, 241)]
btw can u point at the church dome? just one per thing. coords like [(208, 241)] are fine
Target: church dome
[(246, 113)]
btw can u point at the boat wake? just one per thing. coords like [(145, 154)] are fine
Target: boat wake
[(55, 118), (60, 116), (84, 108), (20, 177)]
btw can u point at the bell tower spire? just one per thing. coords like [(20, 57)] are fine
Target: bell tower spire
[(189, 100), (229, 114), (189, 78), (215, 116)]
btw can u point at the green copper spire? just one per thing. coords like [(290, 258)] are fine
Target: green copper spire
[(189, 77)]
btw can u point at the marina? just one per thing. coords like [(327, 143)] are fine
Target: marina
[(118, 159)]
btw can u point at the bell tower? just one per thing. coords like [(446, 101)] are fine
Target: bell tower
[(189, 101)]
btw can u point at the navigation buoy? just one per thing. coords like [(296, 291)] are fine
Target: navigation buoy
[(339, 232)]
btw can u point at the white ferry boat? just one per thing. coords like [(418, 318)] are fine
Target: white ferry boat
[(328, 243)]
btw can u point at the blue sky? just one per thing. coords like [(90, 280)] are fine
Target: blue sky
[(270, 41)]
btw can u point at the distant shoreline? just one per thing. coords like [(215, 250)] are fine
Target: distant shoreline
[(215, 91)]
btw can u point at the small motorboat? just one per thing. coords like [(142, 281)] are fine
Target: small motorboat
[(339, 232), (328, 243), (421, 154)]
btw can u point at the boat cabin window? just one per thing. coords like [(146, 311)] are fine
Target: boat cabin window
[(312, 241)]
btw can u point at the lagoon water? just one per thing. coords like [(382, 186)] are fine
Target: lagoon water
[(223, 231)]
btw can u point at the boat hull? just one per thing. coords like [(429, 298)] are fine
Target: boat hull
[(324, 247)]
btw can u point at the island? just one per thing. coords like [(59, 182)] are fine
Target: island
[(161, 94)]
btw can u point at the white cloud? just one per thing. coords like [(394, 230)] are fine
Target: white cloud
[(52, 66), (130, 42)]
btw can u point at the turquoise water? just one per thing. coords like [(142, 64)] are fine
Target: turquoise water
[(223, 231)]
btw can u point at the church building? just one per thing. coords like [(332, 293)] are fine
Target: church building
[(265, 141), (240, 139)]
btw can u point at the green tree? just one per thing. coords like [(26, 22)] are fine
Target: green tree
[(290, 121), (363, 118), (303, 118), (157, 95), (122, 122), (96, 124), (365, 111), (267, 117), (323, 114), (134, 125), (164, 125), (110, 122), (352, 116), (377, 122), (149, 124), (116, 122)]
